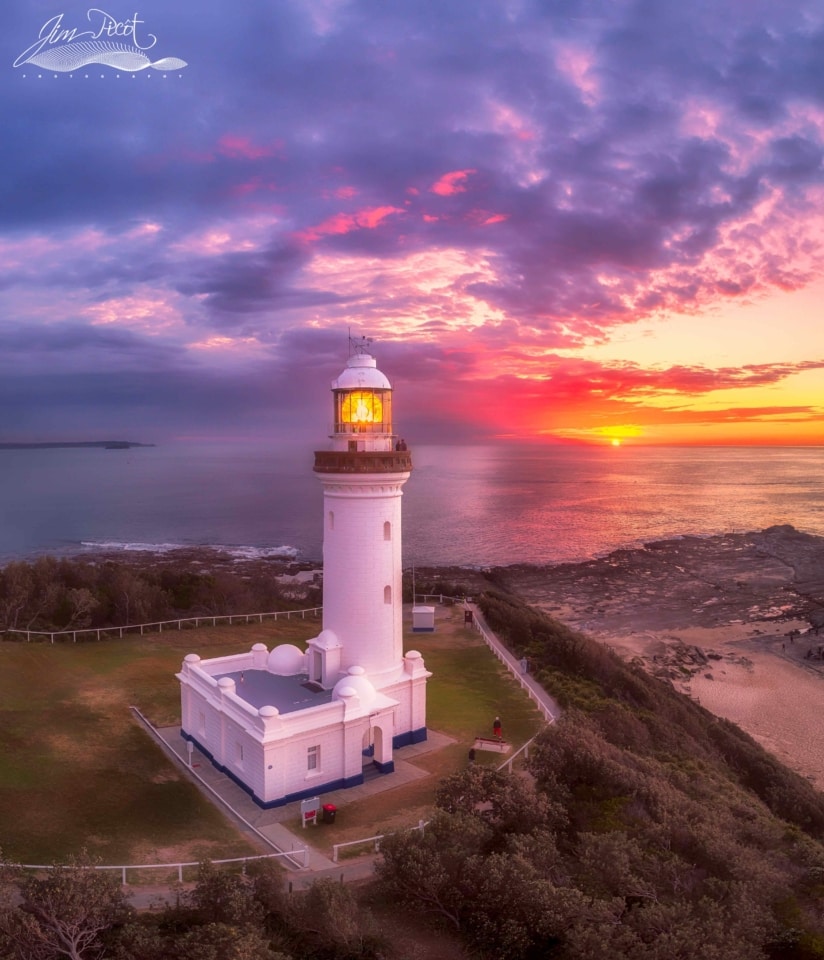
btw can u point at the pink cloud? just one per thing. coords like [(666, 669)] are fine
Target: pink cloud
[(451, 183), (484, 218), (347, 222)]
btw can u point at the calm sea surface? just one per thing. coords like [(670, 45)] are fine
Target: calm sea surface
[(481, 505)]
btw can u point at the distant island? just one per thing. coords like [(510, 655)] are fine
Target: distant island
[(104, 444)]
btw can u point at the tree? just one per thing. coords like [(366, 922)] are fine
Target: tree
[(220, 941), (329, 914), (509, 803), (226, 898), (427, 869), (64, 913)]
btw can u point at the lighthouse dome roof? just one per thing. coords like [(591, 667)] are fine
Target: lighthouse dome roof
[(361, 372), (286, 660), (360, 684)]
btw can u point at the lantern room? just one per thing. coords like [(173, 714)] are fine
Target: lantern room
[(362, 398), (363, 411)]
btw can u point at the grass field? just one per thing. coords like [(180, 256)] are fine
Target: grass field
[(77, 771)]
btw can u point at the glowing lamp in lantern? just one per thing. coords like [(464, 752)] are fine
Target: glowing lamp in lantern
[(362, 397)]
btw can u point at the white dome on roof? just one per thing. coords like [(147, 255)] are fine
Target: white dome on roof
[(286, 660), (361, 371), (357, 683)]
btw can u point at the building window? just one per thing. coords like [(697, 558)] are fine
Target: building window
[(239, 754), (387, 594), (313, 758), (331, 519), (201, 723), (387, 530)]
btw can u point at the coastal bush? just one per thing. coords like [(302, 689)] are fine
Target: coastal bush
[(651, 829), (75, 594)]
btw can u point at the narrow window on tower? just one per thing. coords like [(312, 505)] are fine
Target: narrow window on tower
[(387, 530), (313, 758), (331, 519), (239, 754), (387, 594)]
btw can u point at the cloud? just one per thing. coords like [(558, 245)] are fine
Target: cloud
[(482, 185), (340, 223), (451, 183)]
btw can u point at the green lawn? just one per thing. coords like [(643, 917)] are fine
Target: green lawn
[(77, 770)]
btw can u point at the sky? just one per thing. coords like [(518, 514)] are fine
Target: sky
[(596, 221)]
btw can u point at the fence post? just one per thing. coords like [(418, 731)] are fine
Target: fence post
[(123, 874)]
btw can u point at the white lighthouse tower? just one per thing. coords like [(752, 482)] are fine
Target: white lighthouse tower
[(363, 476), (287, 724)]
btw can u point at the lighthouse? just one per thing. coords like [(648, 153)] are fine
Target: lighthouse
[(285, 723), (363, 475)]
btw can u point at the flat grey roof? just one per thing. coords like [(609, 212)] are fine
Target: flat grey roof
[(259, 688)]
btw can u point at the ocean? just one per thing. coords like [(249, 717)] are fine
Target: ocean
[(470, 505)]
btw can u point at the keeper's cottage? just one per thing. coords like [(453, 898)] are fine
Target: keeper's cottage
[(287, 723)]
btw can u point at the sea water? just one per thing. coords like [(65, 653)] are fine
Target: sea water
[(469, 505)]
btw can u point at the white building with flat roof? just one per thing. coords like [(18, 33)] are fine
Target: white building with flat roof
[(287, 724)]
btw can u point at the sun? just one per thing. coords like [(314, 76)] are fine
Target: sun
[(615, 442)]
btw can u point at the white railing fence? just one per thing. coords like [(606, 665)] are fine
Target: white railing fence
[(168, 867), (158, 625), (533, 689), (507, 764), (337, 847)]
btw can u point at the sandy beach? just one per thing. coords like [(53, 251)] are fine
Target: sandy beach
[(761, 681), (714, 617)]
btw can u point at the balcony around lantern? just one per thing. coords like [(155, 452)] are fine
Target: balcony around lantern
[(363, 461)]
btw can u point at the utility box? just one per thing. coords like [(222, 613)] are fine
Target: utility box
[(423, 619)]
